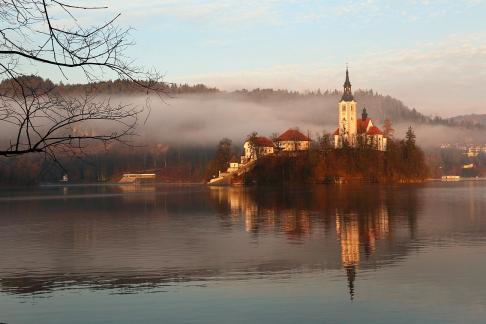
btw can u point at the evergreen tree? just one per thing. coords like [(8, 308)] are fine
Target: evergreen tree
[(410, 137)]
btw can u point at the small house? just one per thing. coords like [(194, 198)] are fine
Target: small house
[(293, 140)]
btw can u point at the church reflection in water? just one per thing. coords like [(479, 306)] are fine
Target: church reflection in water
[(363, 219), (141, 238)]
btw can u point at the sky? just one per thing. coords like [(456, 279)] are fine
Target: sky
[(431, 54)]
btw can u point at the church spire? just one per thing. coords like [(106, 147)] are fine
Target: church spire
[(347, 84), (347, 94), (351, 276)]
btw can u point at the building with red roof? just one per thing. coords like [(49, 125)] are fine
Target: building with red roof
[(352, 130), (257, 146), (293, 140)]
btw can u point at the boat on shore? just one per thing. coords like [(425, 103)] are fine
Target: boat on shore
[(137, 178), (451, 178)]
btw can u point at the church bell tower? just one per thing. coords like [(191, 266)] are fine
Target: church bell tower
[(347, 113)]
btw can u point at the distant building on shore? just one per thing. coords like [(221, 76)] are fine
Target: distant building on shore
[(352, 131), (476, 150)]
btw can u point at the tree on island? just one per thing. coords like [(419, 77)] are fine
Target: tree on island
[(325, 142), (252, 140), (388, 130), (410, 137), (48, 33), (412, 157), (276, 142), (221, 159)]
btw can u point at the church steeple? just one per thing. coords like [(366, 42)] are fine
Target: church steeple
[(351, 276), (347, 84), (347, 94), (364, 114)]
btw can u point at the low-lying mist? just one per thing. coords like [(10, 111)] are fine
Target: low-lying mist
[(205, 119)]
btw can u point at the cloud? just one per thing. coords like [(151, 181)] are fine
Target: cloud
[(267, 12), (223, 12), (443, 78), (272, 11)]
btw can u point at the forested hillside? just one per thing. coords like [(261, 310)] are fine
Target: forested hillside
[(379, 106), (472, 120)]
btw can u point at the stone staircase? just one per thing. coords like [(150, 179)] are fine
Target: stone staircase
[(225, 178)]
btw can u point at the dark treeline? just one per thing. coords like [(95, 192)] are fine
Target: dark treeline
[(171, 164), (115, 87), (380, 106)]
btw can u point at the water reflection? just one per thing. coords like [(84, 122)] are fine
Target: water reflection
[(133, 238), (361, 216)]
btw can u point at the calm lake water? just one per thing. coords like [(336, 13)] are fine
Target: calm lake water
[(153, 254)]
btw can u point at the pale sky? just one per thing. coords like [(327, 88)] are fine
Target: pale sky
[(431, 54)]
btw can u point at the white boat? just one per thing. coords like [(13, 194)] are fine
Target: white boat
[(137, 178), (451, 178)]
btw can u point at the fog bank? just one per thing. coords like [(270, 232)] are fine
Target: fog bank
[(205, 119)]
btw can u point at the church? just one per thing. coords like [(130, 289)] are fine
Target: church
[(353, 131)]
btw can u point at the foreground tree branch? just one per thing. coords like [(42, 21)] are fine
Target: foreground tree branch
[(37, 118)]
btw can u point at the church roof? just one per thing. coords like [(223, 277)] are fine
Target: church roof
[(292, 135), (347, 97), (362, 125), (262, 141), (234, 159), (374, 131)]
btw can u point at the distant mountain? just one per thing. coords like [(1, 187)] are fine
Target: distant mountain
[(472, 120)]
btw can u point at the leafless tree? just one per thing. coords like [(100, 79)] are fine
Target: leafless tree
[(49, 33), (276, 142), (252, 140)]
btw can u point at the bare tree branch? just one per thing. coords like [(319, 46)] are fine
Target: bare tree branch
[(46, 121)]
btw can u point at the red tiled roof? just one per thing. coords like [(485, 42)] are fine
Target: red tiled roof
[(362, 125), (263, 142), (374, 131), (292, 135)]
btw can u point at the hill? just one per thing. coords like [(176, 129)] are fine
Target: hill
[(379, 106), (472, 120)]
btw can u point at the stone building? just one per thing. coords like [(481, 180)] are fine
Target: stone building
[(293, 140), (353, 131)]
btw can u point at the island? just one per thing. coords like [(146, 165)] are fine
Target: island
[(358, 151)]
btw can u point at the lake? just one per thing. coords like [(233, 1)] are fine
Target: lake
[(192, 254)]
